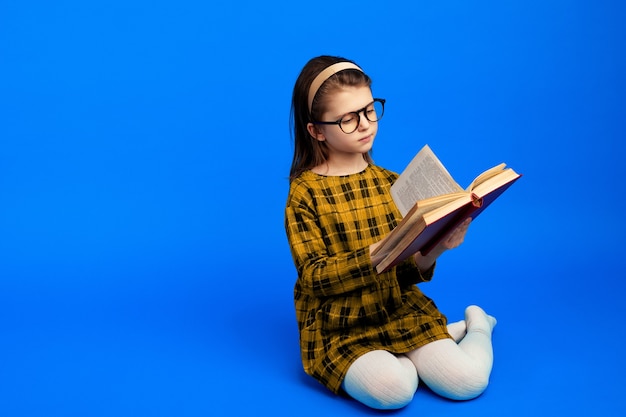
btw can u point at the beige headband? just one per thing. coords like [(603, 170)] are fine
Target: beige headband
[(326, 74)]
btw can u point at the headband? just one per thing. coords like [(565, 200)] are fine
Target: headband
[(326, 74)]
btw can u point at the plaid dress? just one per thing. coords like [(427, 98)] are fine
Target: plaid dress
[(344, 308)]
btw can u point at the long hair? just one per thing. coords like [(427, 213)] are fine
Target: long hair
[(309, 152)]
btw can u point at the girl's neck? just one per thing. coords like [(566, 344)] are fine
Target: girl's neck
[(338, 167)]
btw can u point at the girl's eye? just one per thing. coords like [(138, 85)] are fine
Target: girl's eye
[(348, 118)]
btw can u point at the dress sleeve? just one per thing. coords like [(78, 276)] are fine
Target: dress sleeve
[(409, 274), (320, 273)]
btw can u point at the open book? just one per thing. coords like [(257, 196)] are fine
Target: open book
[(433, 204)]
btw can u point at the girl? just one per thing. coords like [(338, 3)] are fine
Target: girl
[(370, 335)]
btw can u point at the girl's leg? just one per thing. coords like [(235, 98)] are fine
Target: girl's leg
[(459, 372), (381, 380)]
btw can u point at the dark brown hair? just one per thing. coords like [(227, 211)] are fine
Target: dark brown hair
[(309, 152)]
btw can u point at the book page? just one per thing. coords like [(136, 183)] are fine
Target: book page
[(485, 176), (424, 177), (494, 182)]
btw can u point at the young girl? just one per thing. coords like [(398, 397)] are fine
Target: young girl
[(368, 334)]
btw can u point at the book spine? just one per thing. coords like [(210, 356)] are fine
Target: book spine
[(476, 201)]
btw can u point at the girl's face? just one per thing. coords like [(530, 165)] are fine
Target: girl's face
[(338, 104)]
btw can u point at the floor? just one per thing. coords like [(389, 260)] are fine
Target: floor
[(144, 154)]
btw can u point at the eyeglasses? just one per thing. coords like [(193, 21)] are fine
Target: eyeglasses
[(350, 122)]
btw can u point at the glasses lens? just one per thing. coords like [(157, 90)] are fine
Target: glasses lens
[(349, 123), (375, 112)]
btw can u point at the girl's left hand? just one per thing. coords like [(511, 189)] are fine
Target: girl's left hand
[(456, 237), (452, 240)]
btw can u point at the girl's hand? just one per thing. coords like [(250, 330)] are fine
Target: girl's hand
[(451, 241), (456, 237)]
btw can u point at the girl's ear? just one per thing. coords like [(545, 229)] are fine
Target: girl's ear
[(315, 132)]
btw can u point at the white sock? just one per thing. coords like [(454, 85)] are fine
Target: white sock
[(457, 330), (477, 320)]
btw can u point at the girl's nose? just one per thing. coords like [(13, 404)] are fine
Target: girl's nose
[(363, 122)]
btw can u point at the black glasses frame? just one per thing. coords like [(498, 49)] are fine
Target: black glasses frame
[(358, 116)]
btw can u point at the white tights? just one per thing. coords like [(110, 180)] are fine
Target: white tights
[(383, 380)]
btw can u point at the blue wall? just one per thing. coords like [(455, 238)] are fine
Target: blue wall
[(144, 150)]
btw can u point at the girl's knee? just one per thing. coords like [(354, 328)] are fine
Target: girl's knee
[(389, 391), (451, 371), (382, 385), (398, 389), (469, 384)]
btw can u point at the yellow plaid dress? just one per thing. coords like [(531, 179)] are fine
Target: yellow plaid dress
[(343, 307)]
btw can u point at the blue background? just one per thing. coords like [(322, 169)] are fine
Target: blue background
[(144, 156)]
